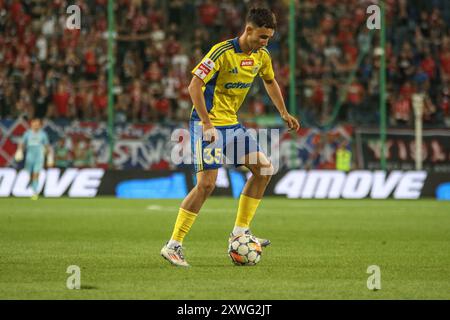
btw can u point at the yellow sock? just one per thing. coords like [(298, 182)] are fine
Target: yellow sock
[(184, 222), (246, 211)]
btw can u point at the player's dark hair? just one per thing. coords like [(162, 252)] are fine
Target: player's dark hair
[(262, 18)]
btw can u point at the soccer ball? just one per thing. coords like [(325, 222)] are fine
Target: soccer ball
[(244, 250)]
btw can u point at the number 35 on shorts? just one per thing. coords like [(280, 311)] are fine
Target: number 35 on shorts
[(212, 155)]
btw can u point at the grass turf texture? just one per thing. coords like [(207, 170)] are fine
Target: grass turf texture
[(320, 249)]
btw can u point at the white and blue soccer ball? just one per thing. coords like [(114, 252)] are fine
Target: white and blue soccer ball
[(244, 250)]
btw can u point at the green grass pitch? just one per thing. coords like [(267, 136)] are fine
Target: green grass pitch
[(321, 249)]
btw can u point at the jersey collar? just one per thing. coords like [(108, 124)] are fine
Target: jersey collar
[(237, 47)]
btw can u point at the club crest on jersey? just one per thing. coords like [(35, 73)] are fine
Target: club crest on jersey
[(247, 63), (204, 68)]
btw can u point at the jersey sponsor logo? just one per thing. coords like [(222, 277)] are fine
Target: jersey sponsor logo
[(202, 72), (237, 85), (204, 68), (208, 63), (247, 63), (321, 184)]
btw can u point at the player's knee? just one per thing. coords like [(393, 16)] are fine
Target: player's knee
[(265, 172), (206, 186)]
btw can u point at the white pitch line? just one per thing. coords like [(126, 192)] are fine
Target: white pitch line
[(156, 208)]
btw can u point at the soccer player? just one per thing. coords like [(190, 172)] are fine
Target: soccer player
[(219, 85), (36, 143)]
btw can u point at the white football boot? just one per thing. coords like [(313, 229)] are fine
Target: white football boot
[(174, 255)]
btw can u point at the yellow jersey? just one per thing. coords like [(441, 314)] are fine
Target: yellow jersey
[(228, 74)]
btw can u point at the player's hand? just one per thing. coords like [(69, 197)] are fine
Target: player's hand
[(50, 164), (209, 132), (18, 156), (291, 122), (50, 160)]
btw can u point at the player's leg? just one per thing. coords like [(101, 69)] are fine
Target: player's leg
[(191, 205), (35, 184), (30, 164), (207, 160), (189, 209), (38, 165), (262, 171)]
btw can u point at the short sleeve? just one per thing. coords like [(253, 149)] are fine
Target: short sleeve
[(266, 71), (211, 63)]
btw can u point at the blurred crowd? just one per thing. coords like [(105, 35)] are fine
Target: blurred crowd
[(47, 70), (341, 61)]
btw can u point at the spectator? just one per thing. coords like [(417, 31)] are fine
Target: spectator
[(209, 18), (161, 44), (162, 108), (153, 74), (83, 101), (62, 153), (428, 65), (157, 36), (184, 100), (208, 12), (61, 101), (100, 103), (444, 58), (180, 62), (170, 84), (7, 101), (429, 110), (83, 156), (129, 67), (355, 99), (90, 64), (121, 110), (42, 102), (24, 107), (72, 65), (401, 110), (136, 99)]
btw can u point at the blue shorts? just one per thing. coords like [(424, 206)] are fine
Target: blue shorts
[(233, 143)]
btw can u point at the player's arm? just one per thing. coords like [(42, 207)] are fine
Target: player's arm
[(50, 156), (274, 92), (198, 99), (18, 156), (20, 147), (202, 74)]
